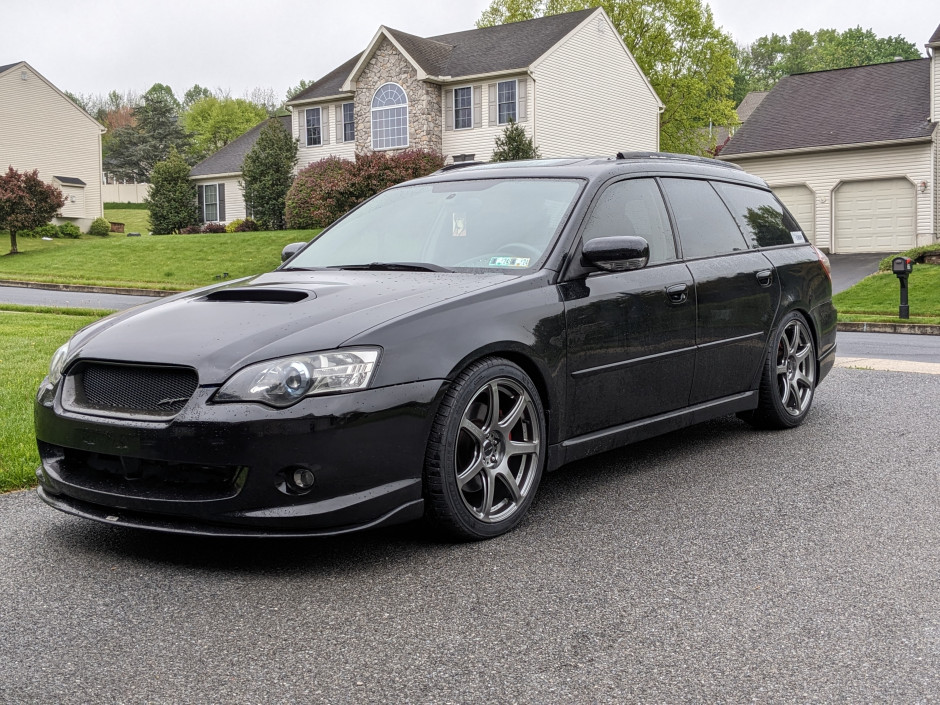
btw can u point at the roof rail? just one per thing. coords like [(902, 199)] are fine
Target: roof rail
[(457, 165), (676, 157)]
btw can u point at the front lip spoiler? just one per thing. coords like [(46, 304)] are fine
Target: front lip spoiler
[(152, 522)]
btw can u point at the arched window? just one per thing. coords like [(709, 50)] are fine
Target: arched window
[(389, 117)]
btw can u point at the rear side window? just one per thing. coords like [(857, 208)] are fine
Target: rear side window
[(705, 226), (764, 221), (634, 207)]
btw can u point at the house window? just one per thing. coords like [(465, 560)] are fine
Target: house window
[(389, 117), (349, 123), (506, 101), (210, 204), (313, 127), (463, 108)]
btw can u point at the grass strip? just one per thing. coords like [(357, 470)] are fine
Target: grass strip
[(27, 342), (166, 262), (875, 299)]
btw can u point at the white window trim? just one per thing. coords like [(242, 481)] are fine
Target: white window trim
[(372, 111), (307, 129), (205, 203), (515, 101), (343, 109), (461, 129)]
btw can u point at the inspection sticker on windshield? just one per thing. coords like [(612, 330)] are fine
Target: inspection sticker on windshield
[(509, 261)]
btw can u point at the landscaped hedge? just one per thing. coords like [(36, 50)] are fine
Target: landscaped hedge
[(325, 190)]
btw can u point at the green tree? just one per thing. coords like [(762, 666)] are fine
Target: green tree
[(768, 59), (172, 198), (514, 144), (26, 202), (688, 60), (194, 95), (267, 174), (214, 122), (133, 150)]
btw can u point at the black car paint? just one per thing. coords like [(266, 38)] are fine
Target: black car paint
[(682, 322)]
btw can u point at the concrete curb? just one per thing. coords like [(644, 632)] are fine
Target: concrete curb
[(81, 288), (904, 328), (865, 363)]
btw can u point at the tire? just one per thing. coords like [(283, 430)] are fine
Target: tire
[(486, 452), (788, 379)]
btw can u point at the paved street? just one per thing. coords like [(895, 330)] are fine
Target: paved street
[(68, 299), (719, 564)]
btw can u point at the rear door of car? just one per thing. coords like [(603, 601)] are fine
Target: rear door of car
[(631, 335), (736, 289)]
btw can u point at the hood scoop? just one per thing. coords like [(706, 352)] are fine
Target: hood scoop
[(264, 295)]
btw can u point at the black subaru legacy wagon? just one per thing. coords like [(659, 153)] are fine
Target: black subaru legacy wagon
[(440, 347)]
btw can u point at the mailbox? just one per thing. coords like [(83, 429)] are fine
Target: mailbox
[(902, 266)]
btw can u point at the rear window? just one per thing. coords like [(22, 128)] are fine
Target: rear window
[(762, 219)]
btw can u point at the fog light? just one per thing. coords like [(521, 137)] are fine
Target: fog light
[(302, 479)]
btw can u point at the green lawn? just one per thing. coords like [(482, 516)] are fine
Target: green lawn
[(875, 299), (171, 262), (135, 220), (27, 341)]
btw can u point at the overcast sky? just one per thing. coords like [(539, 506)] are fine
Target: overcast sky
[(94, 46)]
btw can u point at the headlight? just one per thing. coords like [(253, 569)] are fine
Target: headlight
[(288, 380), (57, 364)]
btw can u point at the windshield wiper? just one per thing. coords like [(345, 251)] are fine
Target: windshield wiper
[(396, 267)]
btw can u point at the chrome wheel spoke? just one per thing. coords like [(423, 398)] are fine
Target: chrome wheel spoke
[(512, 418), (488, 493), (521, 448), (471, 472), (492, 408), (475, 431), (506, 477)]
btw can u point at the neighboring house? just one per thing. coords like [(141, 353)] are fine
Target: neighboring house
[(853, 153), (568, 79), (721, 135), (41, 128), (218, 178)]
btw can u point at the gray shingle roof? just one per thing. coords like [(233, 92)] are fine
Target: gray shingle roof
[(882, 102), (229, 159), (70, 180), (475, 51), (936, 37), (9, 66)]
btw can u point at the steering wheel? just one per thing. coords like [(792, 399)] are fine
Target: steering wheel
[(534, 251)]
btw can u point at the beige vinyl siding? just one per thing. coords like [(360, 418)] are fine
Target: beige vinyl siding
[(42, 129), (590, 97), (332, 146), (481, 140), (823, 172), (234, 198)]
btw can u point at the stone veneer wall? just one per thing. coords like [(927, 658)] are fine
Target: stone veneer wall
[(424, 100)]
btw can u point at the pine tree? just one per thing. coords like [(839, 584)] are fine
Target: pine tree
[(267, 174), (172, 199), (513, 144)]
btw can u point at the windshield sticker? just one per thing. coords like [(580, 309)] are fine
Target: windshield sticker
[(797, 236), (509, 261), (460, 225)]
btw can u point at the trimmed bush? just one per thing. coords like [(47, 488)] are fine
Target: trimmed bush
[(247, 226), (99, 227), (325, 190), (191, 230), (916, 254), (213, 228), (230, 228), (172, 199), (48, 230), (70, 230)]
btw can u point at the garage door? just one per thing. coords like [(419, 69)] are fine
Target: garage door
[(800, 201), (874, 216)]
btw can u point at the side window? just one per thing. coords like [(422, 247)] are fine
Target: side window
[(634, 207), (705, 226), (764, 221)]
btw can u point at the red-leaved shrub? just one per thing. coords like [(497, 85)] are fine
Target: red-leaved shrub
[(213, 228), (325, 190), (247, 226)]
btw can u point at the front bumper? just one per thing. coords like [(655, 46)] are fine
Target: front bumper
[(222, 469)]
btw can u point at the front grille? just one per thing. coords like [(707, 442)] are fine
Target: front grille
[(138, 477), (148, 390)]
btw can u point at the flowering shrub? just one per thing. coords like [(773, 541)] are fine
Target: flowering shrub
[(325, 190)]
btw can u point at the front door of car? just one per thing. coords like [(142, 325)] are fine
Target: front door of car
[(736, 289), (631, 335)]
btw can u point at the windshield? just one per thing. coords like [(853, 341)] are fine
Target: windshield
[(493, 224)]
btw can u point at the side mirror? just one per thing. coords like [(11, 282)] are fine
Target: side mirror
[(616, 254), (291, 250)]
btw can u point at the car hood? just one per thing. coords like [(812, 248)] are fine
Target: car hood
[(220, 329)]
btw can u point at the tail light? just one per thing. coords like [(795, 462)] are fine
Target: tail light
[(824, 260)]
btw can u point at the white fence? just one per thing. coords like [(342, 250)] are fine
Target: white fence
[(124, 193)]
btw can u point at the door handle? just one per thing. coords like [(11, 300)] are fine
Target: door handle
[(765, 277), (678, 293)]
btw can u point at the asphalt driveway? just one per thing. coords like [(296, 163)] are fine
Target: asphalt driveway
[(848, 270), (719, 564)]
